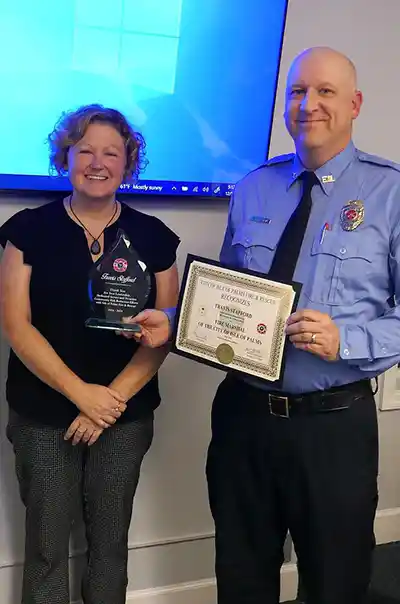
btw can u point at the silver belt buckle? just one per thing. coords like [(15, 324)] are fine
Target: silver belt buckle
[(273, 397)]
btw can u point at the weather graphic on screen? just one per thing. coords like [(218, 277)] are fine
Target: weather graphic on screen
[(196, 77)]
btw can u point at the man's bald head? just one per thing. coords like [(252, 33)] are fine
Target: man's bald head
[(322, 101), (333, 60)]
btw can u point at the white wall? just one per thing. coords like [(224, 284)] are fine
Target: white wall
[(171, 534)]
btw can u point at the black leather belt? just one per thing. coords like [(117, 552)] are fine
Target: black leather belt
[(286, 405)]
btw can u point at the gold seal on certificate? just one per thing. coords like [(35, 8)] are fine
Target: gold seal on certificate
[(225, 354), (233, 319)]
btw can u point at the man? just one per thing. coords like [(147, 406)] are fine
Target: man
[(305, 458)]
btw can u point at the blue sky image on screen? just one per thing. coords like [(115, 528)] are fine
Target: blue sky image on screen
[(196, 77)]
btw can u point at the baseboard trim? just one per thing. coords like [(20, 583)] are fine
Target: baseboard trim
[(205, 592), (196, 592), (387, 526), (387, 530)]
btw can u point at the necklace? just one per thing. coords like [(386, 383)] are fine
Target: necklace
[(95, 247)]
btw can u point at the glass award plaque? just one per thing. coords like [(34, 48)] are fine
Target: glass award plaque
[(119, 287)]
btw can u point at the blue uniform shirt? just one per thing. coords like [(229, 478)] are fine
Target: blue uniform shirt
[(354, 275)]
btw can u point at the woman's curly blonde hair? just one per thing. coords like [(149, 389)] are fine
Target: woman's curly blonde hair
[(72, 126)]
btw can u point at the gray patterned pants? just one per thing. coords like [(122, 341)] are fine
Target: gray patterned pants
[(56, 479)]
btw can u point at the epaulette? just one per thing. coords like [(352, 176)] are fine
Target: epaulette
[(378, 161), (279, 159)]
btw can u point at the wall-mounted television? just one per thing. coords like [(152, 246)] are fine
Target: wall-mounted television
[(197, 78)]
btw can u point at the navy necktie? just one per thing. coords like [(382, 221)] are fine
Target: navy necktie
[(288, 248)]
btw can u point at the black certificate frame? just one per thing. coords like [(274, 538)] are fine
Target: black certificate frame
[(275, 384)]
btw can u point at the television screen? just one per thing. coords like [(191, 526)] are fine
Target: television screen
[(196, 77)]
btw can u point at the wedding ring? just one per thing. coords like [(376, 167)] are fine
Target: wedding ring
[(116, 408), (313, 336)]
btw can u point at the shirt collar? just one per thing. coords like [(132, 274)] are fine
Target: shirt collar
[(329, 172)]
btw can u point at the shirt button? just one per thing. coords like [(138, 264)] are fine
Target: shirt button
[(343, 250), (346, 351), (247, 240), (384, 350)]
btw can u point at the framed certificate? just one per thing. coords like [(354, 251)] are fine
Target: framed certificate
[(233, 319)]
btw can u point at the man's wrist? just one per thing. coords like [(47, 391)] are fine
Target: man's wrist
[(171, 316)]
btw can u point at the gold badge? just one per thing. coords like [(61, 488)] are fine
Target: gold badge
[(225, 354), (352, 215)]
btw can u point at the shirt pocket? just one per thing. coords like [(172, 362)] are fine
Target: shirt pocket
[(254, 246), (340, 270)]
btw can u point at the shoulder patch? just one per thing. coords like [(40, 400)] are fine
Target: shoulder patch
[(378, 161), (279, 159)]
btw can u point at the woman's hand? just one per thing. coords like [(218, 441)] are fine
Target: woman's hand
[(84, 430), (100, 404)]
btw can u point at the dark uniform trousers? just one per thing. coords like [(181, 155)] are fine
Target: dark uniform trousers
[(56, 479), (314, 475)]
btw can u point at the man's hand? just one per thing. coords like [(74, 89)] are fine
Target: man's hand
[(154, 331), (101, 404), (84, 430), (315, 332)]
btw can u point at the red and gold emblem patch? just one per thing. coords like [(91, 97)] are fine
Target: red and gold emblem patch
[(352, 215)]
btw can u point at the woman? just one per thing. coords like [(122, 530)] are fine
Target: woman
[(71, 385)]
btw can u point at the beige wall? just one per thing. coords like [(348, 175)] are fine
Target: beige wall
[(171, 534)]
